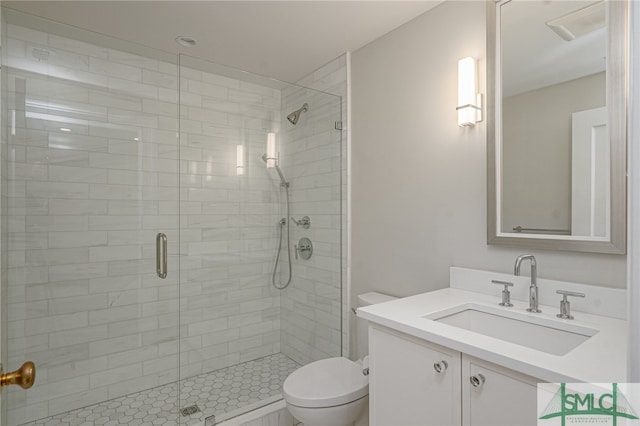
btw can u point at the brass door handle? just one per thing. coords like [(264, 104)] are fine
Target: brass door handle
[(25, 376)]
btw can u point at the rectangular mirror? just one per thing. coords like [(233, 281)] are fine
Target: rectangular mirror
[(556, 132)]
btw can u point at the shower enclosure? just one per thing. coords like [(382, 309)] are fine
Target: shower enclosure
[(110, 149)]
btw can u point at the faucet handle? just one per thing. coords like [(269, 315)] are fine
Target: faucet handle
[(565, 306), (566, 293), (506, 295), (504, 283)]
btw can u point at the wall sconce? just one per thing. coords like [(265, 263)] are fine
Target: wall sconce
[(469, 100), (272, 157), (239, 160)]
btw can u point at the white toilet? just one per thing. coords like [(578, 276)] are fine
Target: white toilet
[(333, 391)]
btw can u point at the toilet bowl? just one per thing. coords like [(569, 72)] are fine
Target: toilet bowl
[(332, 391)]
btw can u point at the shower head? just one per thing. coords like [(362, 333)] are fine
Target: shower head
[(283, 181), (295, 115)]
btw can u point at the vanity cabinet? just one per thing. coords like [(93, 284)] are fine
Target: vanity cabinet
[(414, 382)]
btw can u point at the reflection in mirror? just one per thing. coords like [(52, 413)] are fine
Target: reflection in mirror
[(553, 97), (556, 127)]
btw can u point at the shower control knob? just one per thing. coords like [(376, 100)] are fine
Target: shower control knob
[(305, 222), (304, 248), (440, 366)]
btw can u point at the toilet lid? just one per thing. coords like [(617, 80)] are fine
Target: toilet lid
[(326, 383)]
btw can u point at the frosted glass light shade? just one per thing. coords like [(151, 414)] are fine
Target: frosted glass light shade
[(469, 111), (271, 150)]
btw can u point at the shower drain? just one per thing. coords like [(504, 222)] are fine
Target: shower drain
[(192, 409)]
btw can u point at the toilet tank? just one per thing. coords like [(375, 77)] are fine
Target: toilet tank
[(362, 331)]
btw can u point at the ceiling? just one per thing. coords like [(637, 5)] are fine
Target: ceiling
[(281, 39), (533, 56)]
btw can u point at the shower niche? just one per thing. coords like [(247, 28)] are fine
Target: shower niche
[(105, 145)]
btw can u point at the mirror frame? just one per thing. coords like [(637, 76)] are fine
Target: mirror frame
[(617, 93)]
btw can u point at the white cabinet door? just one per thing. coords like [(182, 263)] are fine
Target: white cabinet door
[(404, 387), (504, 398)]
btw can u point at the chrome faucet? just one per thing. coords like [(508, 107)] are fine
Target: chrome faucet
[(533, 288)]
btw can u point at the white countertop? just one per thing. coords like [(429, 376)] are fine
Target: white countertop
[(600, 359)]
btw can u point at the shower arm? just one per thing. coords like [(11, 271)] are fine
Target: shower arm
[(285, 182)]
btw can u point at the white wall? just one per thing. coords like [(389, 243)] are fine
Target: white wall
[(419, 180)]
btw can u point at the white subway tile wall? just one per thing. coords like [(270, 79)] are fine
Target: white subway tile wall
[(229, 313), (96, 169)]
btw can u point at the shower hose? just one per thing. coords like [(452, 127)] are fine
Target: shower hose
[(282, 223)]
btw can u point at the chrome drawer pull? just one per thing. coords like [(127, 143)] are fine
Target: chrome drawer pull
[(440, 366), (477, 380)]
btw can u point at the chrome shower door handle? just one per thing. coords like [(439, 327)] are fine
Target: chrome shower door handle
[(161, 255)]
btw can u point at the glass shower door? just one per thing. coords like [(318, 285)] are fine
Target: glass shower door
[(91, 193)]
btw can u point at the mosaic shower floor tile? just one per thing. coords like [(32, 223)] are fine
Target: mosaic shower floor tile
[(222, 393)]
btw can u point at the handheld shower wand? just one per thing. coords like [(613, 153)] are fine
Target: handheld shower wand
[(284, 183)]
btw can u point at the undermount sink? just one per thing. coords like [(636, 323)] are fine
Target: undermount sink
[(535, 332)]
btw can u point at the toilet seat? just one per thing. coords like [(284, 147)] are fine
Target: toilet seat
[(326, 383)]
